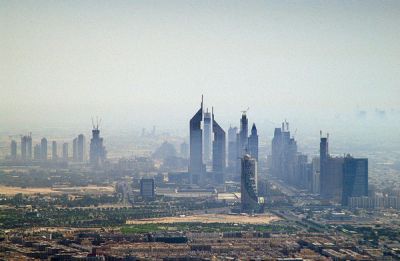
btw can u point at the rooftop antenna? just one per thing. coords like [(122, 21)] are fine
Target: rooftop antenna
[(320, 133), (327, 136)]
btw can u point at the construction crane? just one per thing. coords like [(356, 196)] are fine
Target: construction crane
[(98, 122), (245, 111), (294, 134)]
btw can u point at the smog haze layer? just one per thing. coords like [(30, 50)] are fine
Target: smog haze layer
[(321, 65)]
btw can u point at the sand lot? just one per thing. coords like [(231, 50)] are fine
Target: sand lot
[(210, 218)]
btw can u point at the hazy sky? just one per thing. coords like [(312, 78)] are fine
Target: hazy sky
[(144, 63)]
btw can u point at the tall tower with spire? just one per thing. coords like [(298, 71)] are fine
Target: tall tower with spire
[(253, 143), (219, 151), (196, 166)]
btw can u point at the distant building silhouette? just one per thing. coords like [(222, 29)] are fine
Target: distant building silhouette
[(81, 148), (54, 154), (232, 148), (43, 149), (315, 175), (184, 150), (36, 152), (249, 197), (65, 151), (166, 150), (13, 150)]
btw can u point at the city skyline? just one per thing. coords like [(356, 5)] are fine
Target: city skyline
[(199, 130)]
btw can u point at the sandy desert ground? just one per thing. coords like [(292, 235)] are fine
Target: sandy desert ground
[(58, 190), (210, 218)]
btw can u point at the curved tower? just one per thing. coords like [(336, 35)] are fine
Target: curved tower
[(249, 198)]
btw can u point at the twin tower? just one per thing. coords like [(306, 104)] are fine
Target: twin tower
[(206, 133), (208, 145)]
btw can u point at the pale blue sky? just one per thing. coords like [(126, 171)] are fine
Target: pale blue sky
[(140, 63)]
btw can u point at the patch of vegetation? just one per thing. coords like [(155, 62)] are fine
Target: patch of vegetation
[(204, 227)]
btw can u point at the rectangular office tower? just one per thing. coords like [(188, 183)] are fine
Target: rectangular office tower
[(65, 151), (13, 149), (355, 178), (147, 188)]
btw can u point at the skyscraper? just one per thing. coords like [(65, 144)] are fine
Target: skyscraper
[(23, 147), (323, 160), (65, 151), (315, 175), (43, 149), (355, 178), (26, 148), (207, 141), (147, 188), (284, 154), (54, 154), (81, 148), (36, 152), (331, 182), (248, 185), (97, 150), (219, 151), (13, 150), (244, 131), (276, 153), (232, 148), (253, 143), (196, 146), (29, 147), (75, 149)]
